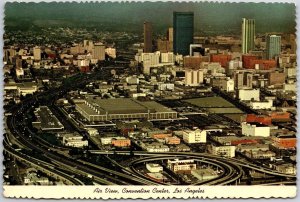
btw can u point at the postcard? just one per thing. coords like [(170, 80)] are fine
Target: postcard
[(149, 100)]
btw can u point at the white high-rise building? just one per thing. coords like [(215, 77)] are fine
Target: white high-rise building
[(273, 46), (193, 77), (248, 35)]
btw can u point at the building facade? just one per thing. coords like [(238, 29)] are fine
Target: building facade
[(193, 77), (222, 150), (273, 46), (197, 136), (255, 130), (248, 35), (147, 37), (183, 33), (99, 52), (37, 53)]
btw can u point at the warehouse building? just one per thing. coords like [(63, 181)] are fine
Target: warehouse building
[(46, 120), (96, 109)]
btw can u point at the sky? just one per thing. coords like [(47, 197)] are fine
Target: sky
[(209, 17)]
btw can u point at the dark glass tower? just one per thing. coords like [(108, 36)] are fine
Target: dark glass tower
[(183, 24), (147, 37)]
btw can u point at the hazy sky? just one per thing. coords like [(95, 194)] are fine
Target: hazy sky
[(219, 17)]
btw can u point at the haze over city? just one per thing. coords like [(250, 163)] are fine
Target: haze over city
[(210, 18)]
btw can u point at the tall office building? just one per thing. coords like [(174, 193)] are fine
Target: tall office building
[(193, 77), (248, 35), (183, 32), (99, 52), (147, 37), (273, 46), (243, 79)]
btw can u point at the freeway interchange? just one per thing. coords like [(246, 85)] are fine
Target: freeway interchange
[(80, 172)]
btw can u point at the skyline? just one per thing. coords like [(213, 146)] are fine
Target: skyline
[(209, 17)]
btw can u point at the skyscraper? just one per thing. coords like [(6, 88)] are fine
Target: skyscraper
[(183, 33), (98, 52), (248, 35), (273, 46), (147, 37)]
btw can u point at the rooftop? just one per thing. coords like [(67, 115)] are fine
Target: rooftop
[(121, 106), (47, 119)]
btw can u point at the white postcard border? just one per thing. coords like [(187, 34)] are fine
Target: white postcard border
[(146, 192)]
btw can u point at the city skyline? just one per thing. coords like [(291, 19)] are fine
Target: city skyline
[(210, 18)]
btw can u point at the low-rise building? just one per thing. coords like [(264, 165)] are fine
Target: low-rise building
[(95, 109), (23, 88), (159, 177), (155, 147), (46, 120), (92, 131), (106, 140), (177, 165), (267, 104), (285, 141), (279, 116), (263, 119), (73, 140), (224, 83), (260, 154), (172, 140), (255, 129), (159, 134), (253, 148), (120, 142), (290, 87), (196, 136), (222, 150), (204, 174), (166, 86), (182, 148), (235, 140), (154, 167), (249, 94), (286, 168)]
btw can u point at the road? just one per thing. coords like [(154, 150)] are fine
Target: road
[(204, 155), (51, 159), (15, 124)]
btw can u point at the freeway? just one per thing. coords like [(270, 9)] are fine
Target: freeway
[(231, 173), (41, 165), (191, 154), (26, 137), (100, 174)]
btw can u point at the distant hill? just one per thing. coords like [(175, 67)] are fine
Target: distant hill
[(209, 17)]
